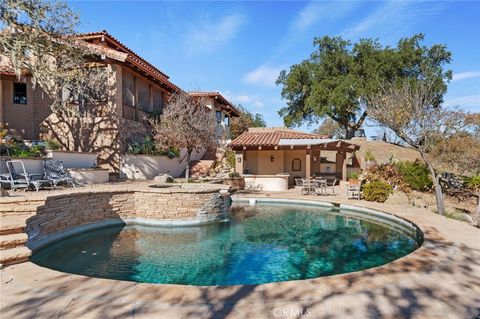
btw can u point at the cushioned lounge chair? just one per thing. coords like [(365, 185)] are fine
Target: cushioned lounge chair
[(19, 178), (54, 171)]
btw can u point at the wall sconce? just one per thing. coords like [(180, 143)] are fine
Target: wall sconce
[(239, 159), (272, 158), (315, 158)]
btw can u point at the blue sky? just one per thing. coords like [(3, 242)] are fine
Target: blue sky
[(238, 48)]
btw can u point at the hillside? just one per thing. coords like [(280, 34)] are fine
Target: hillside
[(383, 151)]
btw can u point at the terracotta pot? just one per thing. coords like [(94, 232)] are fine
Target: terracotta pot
[(236, 183), (353, 181)]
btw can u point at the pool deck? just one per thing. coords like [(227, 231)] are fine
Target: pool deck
[(441, 279)]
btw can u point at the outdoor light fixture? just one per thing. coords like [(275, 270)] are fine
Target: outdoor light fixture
[(272, 158)]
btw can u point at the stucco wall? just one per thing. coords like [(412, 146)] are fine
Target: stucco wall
[(141, 167), (74, 159), (288, 158)]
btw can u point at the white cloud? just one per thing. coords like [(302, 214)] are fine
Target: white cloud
[(465, 75), (468, 101), (248, 101), (209, 35), (316, 12), (263, 75), (393, 18)]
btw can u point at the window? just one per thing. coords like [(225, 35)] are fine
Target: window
[(128, 89), (157, 101), (296, 165), (19, 93), (218, 116), (226, 120), (143, 90)]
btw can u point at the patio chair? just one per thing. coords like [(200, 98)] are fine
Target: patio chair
[(19, 178), (54, 171), (320, 186), (298, 181), (308, 186), (332, 184)]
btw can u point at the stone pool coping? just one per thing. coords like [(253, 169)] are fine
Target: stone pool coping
[(440, 279)]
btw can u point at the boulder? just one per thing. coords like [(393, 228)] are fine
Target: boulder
[(163, 178)]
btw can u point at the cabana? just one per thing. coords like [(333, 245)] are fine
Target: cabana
[(274, 157)]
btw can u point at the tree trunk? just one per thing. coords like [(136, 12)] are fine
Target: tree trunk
[(438, 190), (478, 208), (349, 132), (187, 169)]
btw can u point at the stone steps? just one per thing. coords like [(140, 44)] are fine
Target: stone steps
[(20, 208), (14, 255), (13, 240)]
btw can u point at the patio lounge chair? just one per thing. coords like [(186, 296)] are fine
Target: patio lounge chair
[(4, 174), (20, 179), (54, 171)]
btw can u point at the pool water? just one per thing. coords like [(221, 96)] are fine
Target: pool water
[(260, 244)]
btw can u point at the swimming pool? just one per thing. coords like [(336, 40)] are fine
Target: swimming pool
[(268, 242)]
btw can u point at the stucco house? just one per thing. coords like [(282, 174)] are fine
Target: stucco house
[(276, 156), (138, 90)]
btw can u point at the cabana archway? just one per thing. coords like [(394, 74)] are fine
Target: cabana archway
[(283, 152)]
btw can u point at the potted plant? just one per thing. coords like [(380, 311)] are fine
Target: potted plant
[(235, 181), (353, 179)]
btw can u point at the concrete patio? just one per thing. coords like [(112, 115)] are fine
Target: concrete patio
[(439, 280)]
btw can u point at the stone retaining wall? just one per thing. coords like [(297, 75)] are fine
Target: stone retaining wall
[(63, 212)]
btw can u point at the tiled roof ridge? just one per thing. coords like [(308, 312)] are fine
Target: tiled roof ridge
[(134, 56), (120, 43), (214, 94), (271, 136)]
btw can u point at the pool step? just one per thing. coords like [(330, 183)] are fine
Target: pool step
[(14, 255), (9, 209), (12, 240), (12, 224)]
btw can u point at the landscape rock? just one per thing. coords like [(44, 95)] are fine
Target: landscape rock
[(163, 178)]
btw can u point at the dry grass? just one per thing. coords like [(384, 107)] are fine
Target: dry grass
[(384, 152)]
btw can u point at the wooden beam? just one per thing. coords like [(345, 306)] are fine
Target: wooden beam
[(308, 164)]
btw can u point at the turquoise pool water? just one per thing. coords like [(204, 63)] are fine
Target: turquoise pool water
[(260, 244)]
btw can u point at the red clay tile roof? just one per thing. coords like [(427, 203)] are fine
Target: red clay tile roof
[(220, 98), (6, 70), (132, 56), (268, 137)]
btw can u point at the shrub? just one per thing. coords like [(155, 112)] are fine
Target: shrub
[(369, 157), (230, 157), (376, 191), (387, 173), (353, 176), (416, 175), (147, 146), (473, 182), (23, 151), (52, 145), (234, 175)]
